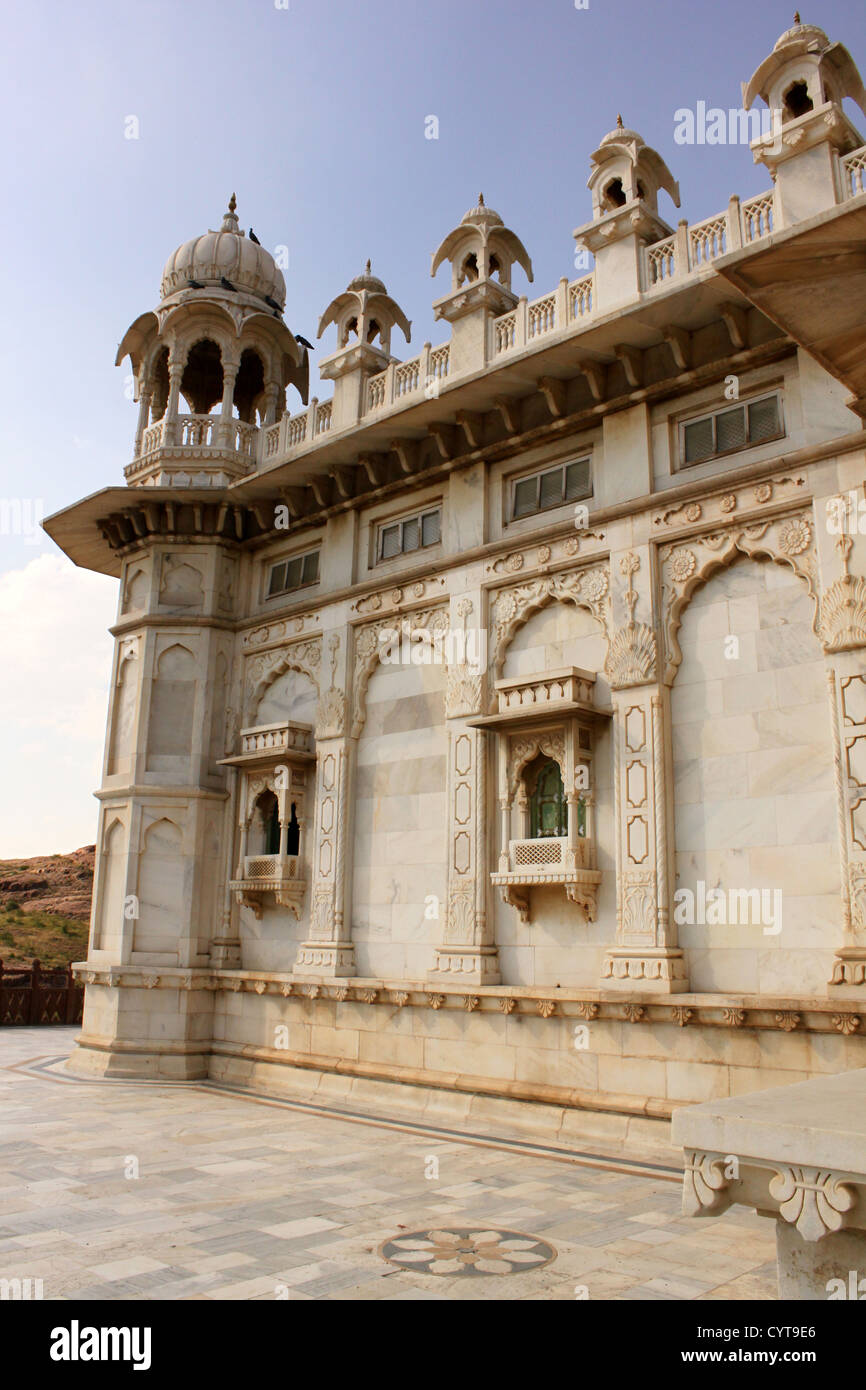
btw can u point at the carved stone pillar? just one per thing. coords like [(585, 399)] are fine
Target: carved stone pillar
[(176, 367), (328, 950), (846, 685), (467, 949), (841, 544), (646, 955), (143, 419), (225, 948), (226, 426)]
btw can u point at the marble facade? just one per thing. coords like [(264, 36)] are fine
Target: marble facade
[(316, 848)]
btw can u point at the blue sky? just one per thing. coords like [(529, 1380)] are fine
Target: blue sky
[(315, 116)]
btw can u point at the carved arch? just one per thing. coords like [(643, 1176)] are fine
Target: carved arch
[(586, 588), (305, 657), (370, 647), (550, 743), (687, 565)]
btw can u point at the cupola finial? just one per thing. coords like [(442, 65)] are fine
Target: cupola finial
[(368, 265), (797, 17), (619, 124), (233, 202)]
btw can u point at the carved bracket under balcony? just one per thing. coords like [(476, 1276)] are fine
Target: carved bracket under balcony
[(270, 875), (545, 862)]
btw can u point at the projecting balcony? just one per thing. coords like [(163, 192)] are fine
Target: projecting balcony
[(194, 451), (277, 874), (545, 861)]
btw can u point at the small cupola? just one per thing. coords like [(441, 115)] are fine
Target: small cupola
[(482, 253), (625, 170), (364, 316), (625, 181), (804, 82)]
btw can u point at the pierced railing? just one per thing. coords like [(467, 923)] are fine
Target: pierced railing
[(854, 173), (505, 332), (323, 417), (708, 240), (296, 430), (759, 218), (580, 297), (376, 391), (541, 316), (407, 378), (272, 440), (660, 262), (440, 361)]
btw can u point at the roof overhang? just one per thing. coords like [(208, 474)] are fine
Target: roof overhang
[(810, 279)]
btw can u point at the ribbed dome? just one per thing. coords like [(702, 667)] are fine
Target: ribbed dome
[(482, 213), (621, 132), (807, 33), (366, 281), (227, 254)]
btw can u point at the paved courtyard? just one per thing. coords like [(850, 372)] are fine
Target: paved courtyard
[(117, 1190)]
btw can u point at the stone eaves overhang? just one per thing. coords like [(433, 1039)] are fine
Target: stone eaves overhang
[(810, 280), (340, 471)]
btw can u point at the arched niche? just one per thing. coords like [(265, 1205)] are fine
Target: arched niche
[(757, 890)]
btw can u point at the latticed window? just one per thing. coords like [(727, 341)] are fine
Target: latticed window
[(552, 488), (725, 431), (296, 573)]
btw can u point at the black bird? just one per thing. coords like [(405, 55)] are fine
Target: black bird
[(227, 284), (254, 238), (272, 304), (303, 342), (195, 284)]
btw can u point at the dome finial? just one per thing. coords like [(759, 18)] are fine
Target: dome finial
[(796, 16), (481, 200), (619, 125), (368, 265), (233, 202)]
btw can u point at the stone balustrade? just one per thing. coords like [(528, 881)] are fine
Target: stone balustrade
[(854, 173), (567, 684), (285, 738), (689, 250)]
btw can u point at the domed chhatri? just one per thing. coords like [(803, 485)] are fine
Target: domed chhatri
[(481, 249), (217, 341), (364, 315), (804, 71), (625, 170), (226, 255), (804, 81)]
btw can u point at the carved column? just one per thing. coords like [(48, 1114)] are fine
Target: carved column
[(467, 949), (328, 950), (143, 419), (646, 955), (176, 366), (843, 632), (226, 427)]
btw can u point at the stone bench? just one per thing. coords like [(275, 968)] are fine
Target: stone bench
[(797, 1154)]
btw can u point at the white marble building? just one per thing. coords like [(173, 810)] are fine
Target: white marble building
[(497, 725)]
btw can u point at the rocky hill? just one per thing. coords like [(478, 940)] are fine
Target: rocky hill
[(45, 907)]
